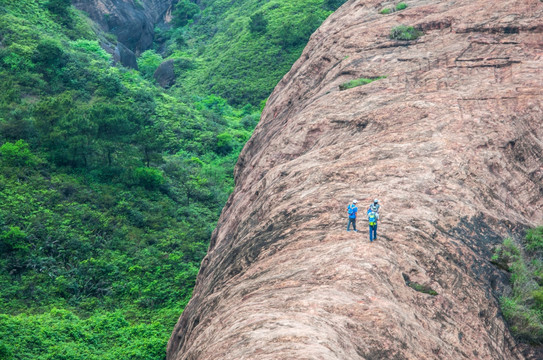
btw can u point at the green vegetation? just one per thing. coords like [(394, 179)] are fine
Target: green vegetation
[(405, 33), (358, 82), (333, 5), (110, 188), (60, 334), (184, 12), (422, 288), (418, 287), (399, 7), (523, 307), (239, 51), (148, 62), (258, 23)]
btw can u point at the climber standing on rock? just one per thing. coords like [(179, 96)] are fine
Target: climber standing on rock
[(352, 210), (374, 207), (372, 219)]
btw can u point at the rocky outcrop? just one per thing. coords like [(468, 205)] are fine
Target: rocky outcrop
[(165, 74), (132, 21), (451, 141), (125, 56)]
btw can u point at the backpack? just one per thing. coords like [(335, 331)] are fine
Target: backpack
[(372, 218), (350, 210), (373, 210)]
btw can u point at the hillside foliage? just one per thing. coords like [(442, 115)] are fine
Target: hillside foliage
[(241, 51), (523, 306), (111, 186), (110, 189)]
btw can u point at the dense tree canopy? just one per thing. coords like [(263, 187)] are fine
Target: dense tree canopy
[(240, 50), (111, 186)]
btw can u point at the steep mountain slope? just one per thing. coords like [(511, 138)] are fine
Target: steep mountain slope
[(451, 141), (240, 50), (131, 21), (110, 189)]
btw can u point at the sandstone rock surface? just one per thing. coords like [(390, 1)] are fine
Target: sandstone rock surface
[(451, 142)]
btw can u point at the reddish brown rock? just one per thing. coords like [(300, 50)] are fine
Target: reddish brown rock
[(451, 142)]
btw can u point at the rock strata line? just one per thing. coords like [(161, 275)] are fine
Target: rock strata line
[(451, 142)]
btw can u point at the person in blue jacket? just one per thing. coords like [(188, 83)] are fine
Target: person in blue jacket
[(372, 219), (352, 210)]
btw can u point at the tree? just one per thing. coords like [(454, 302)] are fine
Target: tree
[(17, 154), (149, 178), (183, 12), (114, 128), (79, 136), (258, 23), (60, 9), (49, 58), (14, 239), (187, 174), (224, 144), (150, 141), (148, 62)]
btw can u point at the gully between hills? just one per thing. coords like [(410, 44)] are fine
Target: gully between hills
[(450, 141)]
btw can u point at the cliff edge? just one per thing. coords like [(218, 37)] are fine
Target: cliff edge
[(450, 141), (131, 21)]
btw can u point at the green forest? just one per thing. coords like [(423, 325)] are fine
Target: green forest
[(110, 186)]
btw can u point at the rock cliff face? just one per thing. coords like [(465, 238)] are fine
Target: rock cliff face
[(132, 21), (451, 142)]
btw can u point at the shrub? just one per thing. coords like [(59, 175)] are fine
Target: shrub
[(184, 12), (17, 154), (292, 34), (49, 57), (538, 297), (422, 288), (405, 33), (148, 62), (523, 309), (258, 23), (91, 47), (183, 64), (14, 239), (249, 121), (505, 254), (534, 240), (5, 352), (149, 178), (60, 8), (525, 323), (399, 7), (224, 143), (358, 82)]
